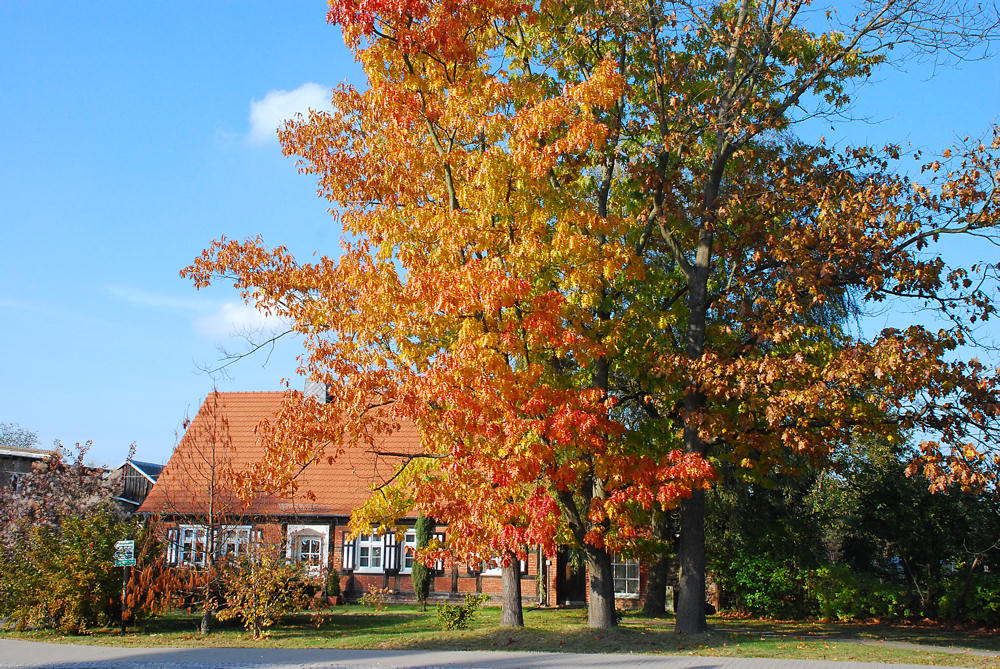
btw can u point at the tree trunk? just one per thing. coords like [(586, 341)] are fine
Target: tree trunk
[(956, 615), (511, 612), (655, 603), (206, 621), (691, 598), (691, 553), (601, 590)]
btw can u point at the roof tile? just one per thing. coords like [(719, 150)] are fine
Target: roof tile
[(228, 421)]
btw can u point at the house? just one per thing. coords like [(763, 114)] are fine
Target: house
[(311, 525), (16, 461), (133, 480)]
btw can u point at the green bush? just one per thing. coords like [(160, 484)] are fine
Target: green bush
[(333, 583), (63, 577), (843, 594), (459, 616), (763, 586), (421, 574), (980, 604)]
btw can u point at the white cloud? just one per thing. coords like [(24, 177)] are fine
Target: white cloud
[(145, 298), (237, 319), (267, 115), (211, 318)]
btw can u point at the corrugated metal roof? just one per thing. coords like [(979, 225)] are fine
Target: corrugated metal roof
[(22, 452), (148, 468)]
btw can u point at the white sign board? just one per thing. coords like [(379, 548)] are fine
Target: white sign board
[(124, 553)]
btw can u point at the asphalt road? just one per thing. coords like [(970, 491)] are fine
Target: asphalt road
[(65, 656)]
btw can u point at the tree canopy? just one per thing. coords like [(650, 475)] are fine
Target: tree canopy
[(587, 256)]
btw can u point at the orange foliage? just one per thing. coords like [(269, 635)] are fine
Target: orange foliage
[(527, 187)]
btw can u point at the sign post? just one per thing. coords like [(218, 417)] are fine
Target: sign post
[(124, 558)]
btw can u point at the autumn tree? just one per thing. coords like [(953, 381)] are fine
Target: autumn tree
[(589, 256), (198, 486), (12, 434), (61, 486)]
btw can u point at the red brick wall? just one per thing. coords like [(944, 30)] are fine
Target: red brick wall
[(353, 585)]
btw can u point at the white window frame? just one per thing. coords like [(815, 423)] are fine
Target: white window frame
[(195, 555), (312, 557), (242, 535), (491, 567), (294, 533), (199, 542), (366, 546), (620, 565), (409, 550)]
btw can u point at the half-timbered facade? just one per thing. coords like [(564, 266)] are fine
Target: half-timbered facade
[(311, 524)]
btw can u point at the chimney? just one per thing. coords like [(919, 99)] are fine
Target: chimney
[(315, 390)]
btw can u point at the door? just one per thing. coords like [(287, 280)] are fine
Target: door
[(571, 582)]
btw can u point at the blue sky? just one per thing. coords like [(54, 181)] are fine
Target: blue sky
[(135, 133)]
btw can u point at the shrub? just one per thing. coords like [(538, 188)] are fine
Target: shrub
[(420, 576), (333, 583), (844, 594), (62, 577), (376, 598), (261, 587), (459, 616), (976, 601), (762, 585)]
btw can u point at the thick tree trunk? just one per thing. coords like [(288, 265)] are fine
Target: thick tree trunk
[(691, 553), (511, 612), (691, 598), (601, 590), (206, 621), (655, 603)]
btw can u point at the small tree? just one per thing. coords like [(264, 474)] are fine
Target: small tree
[(421, 573), (262, 587), (199, 486), (57, 538)]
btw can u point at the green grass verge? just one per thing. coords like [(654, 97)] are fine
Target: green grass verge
[(405, 627)]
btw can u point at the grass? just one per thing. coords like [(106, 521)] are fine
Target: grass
[(405, 627)]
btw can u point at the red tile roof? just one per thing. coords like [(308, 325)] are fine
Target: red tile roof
[(227, 421)]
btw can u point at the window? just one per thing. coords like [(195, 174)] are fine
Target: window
[(369, 552), (308, 551), (626, 575), (308, 546), (192, 543), (235, 541), (409, 550), (15, 481), (492, 568)]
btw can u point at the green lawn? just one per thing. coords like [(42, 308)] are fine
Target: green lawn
[(406, 627)]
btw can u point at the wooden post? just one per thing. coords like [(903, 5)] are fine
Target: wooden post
[(124, 591)]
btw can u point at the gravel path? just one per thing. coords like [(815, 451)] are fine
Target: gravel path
[(15, 653)]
